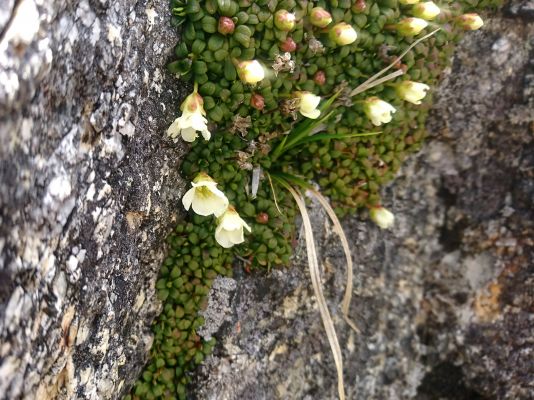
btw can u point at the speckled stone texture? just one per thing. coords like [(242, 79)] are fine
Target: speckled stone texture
[(445, 301), (88, 191), (89, 188)]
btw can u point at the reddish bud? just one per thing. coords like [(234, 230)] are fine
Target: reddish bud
[(262, 218), (226, 26), (319, 78), (288, 45), (359, 6), (257, 101)]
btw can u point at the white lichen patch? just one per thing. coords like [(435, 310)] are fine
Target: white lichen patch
[(95, 32), (114, 34), (128, 129), (85, 375), (83, 334), (14, 308), (151, 17), (106, 190), (85, 14), (156, 81), (139, 301), (24, 25), (113, 146), (59, 188), (102, 339), (90, 195)]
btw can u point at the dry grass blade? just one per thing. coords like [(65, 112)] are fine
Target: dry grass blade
[(377, 82), (345, 305), (273, 192), (370, 82), (317, 288)]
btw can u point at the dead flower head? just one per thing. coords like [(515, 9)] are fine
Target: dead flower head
[(315, 46), (344, 99), (283, 63), (241, 124), (243, 160), (290, 107)]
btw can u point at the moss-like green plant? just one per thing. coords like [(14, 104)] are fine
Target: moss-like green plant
[(258, 68)]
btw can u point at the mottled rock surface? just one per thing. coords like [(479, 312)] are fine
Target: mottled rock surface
[(89, 188), (445, 300), (88, 191)]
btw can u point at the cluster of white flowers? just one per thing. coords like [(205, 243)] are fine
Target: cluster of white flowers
[(205, 199)]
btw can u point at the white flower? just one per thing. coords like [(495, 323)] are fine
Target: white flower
[(382, 217), (412, 92), (343, 34), (411, 26), (470, 21), (250, 71), (230, 229), (308, 104), (427, 10), (378, 111), (191, 120), (204, 196)]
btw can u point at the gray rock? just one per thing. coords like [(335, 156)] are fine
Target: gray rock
[(444, 300), (89, 188), (88, 191)]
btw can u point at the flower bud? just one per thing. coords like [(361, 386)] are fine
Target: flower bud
[(382, 217), (378, 111), (320, 17), (262, 218), (359, 6), (343, 34), (412, 92), (411, 26), (250, 71), (284, 20), (470, 22), (226, 26), (427, 10), (288, 45), (407, 2), (319, 78), (257, 101)]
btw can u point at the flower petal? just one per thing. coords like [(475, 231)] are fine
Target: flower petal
[(206, 134), (174, 130), (198, 122), (245, 225), (208, 205), (231, 221), (236, 236), (314, 114), (189, 134), (222, 238), (188, 198)]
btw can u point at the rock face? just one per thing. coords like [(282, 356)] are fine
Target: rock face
[(88, 191), (444, 301), (89, 188)]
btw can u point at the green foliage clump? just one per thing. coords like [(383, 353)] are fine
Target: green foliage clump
[(252, 120)]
